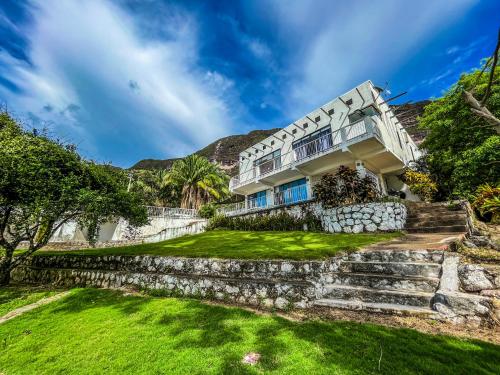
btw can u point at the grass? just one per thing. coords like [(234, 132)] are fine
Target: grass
[(248, 245), (12, 298), (95, 331)]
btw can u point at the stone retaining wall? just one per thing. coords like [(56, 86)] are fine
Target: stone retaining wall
[(279, 284), (356, 218)]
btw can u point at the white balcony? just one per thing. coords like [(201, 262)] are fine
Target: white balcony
[(289, 164)]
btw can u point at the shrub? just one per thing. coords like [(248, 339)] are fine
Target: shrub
[(420, 184), (207, 211), (487, 202), (281, 221), (345, 187)]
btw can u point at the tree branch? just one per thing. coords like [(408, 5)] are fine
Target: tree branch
[(492, 72), (481, 111)]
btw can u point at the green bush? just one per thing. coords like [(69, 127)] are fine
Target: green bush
[(207, 211), (345, 187), (274, 222), (487, 202), (420, 183)]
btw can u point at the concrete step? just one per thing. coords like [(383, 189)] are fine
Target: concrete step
[(393, 268), (386, 308), (403, 255), (433, 222), (357, 293), (387, 282), (438, 229)]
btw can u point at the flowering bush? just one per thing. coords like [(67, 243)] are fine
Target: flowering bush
[(420, 184)]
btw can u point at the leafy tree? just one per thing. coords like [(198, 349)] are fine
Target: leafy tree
[(458, 136), (44, 184), (153, 186), (198, 181)]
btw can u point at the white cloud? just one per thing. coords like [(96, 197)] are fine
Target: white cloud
[(339, 45), (128, 90)]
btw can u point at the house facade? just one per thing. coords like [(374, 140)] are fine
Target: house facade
[(357, 129)]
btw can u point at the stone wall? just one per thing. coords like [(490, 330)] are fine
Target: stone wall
[(356, 218), (279, 284)]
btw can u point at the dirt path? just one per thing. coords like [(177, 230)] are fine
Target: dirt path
[(21, 310)]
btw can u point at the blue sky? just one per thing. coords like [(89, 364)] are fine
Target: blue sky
[(133, 79)]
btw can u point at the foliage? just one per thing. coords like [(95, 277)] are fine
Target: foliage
[(198, 181), (207, 211), (108, 331), (345, 186), (44, 184), (152, 185), (281, 221), (458, 139), (226, 244), (487, 202), (420, 184)]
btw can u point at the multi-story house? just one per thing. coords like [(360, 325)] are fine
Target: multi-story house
[(357, 129)]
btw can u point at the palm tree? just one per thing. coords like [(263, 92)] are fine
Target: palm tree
[(198, 181), (153, 187)]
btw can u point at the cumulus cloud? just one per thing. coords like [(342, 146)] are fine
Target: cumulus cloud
[(98, 80)]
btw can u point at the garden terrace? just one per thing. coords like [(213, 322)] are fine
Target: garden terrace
[(294, 245)]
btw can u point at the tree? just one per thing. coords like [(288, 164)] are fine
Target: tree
[(154, 187), (456, 135), (198, 181), (44, 184)]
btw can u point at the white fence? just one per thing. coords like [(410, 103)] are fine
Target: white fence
[(171, 212)]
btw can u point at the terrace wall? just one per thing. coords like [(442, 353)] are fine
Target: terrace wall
[(279, 284)]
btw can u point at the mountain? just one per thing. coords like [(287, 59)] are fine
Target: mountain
[(225, 151)]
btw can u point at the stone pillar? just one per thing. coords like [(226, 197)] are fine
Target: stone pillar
[(309, 187)]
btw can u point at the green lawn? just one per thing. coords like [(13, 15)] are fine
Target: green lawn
[(12, 298), (249, 245), (95, 331)]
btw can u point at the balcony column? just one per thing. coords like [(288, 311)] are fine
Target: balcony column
[(360, 167), (270, 198), (383, 186), (309, 187)]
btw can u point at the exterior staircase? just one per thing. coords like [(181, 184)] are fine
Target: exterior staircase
[(399, 282), (434, 218)]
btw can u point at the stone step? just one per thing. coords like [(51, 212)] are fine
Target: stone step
[(388, 282), (357, 293), (433, 222), (386, 308), (438, 229), (403, 255), (393, 268)]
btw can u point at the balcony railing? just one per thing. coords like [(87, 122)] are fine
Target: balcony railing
[(295, 194), (347, 135)]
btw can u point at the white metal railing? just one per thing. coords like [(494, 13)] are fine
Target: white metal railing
[(347, 135), (314, 147), (231, 208), (291, 195), (154, 211)]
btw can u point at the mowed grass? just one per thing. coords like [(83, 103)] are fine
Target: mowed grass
[(248, 245), (95, 331), (12, 298)]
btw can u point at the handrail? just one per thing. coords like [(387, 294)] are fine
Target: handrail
[(154, 211)]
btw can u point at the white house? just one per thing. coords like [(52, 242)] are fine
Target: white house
[(358, 129)]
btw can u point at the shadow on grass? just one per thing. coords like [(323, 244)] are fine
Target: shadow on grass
[(314, 346)]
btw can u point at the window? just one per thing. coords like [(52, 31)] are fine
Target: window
[(291, 192), (317, 119), (258, 199)]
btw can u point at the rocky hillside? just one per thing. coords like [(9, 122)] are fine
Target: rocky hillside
[(225, 151)]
